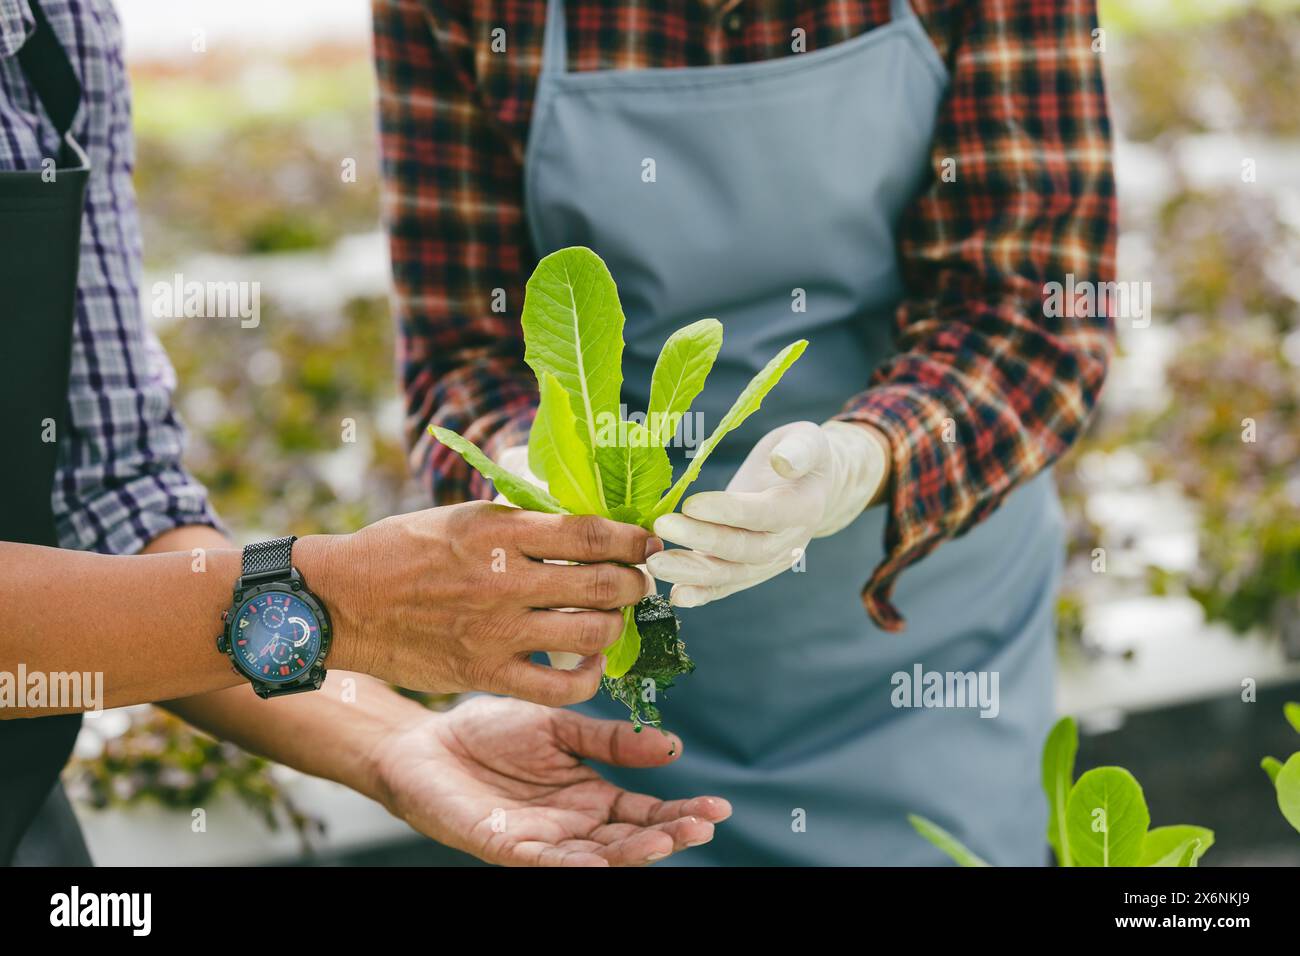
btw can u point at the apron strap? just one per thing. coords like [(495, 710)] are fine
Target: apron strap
[(900, 10), (555, 43), (51, 76), (50, 73)]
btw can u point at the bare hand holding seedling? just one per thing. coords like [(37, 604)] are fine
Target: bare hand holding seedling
[(458, 598)]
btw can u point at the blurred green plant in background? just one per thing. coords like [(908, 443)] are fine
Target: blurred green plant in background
[(238, 155), (1207, 93), (163, 760)]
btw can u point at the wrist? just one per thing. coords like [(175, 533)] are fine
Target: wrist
[(861, 468), (328, 566), (885, 461), (374, 731), (389, 756)]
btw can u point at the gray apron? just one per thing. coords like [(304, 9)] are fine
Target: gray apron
[(40, 230), (771, 177)]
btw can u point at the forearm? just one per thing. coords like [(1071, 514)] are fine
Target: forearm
[(458, 313), (330, 733), (148, 623)]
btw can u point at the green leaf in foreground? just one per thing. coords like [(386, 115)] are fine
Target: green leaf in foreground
[(1106, 818), (1271, 767), (554, 444), (573, 329), (626, 514), (744, 406), (944, 841), (1288, 790), (520, 491), (1180, 845), (680, 371), (1058, 776), (1291, 710)]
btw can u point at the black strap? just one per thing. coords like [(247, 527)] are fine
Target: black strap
[(266, 560), (40, 223), (50, 73)]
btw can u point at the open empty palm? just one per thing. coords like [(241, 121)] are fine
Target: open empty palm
[(505, 780)]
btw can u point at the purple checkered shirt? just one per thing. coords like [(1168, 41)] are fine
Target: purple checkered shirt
[(119, 482)]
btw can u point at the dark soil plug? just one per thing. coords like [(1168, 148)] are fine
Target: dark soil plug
[(662, 660)]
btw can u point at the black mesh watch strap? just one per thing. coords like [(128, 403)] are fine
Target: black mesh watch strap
[(267, 560)]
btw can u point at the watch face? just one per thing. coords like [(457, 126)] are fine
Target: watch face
[(276, 636)]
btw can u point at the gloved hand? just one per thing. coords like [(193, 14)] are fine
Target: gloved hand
[(801, 481)]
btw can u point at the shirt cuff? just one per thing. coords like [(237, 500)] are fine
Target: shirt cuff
[(922, 486), (125, 518)]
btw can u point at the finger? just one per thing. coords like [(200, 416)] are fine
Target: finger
[(772, 509), (798, 451), (721, 541), (640, 846), (585, 538), (601, 587), (548, 686), (578, 632), (645, 810), (629, 845), (650, 586), (695, 595), (681, 566), (614, 742)]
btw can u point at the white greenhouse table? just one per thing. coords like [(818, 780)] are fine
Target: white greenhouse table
[(152, 835)]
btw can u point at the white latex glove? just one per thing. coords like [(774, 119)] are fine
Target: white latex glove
[(515, 459), (801, 481)]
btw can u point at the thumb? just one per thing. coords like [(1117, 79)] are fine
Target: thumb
[(798, 451), (615, 742)]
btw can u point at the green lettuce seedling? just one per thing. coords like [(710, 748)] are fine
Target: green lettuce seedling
[(1286, 776), (1101, 819), (593, 460)]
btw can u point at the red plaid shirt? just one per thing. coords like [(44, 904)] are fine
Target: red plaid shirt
[(985, 390)]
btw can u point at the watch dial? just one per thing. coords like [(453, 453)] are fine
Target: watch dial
[(276, 637)]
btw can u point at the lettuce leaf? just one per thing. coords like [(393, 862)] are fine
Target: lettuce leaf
[(1107, 818), (622, 654), (573, 329), (634, 471), (520, 491), (1058, 776), (565, 459), (749, 401), (1179, 845), (960, 853), (680, 371)]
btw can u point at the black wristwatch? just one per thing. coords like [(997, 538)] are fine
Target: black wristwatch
[(277, 633)]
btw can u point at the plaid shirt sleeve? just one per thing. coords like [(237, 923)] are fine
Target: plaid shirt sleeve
[(119, 481), (454, 211), (986, 390)]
